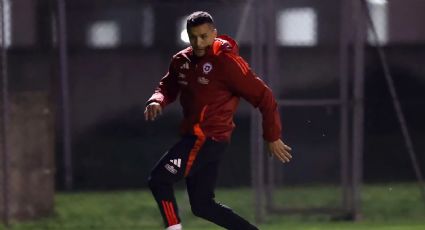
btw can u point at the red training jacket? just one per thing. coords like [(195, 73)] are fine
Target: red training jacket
[(210, 88)]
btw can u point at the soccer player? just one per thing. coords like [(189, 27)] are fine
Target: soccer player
[(210, 78)]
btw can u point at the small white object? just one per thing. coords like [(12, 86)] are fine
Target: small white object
[(175, 227)]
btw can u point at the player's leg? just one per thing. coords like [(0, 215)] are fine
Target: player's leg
[(168, 170), (201, 184)]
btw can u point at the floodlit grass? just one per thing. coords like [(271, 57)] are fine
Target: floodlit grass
[(385, 207)]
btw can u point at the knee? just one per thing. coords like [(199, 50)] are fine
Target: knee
[(198, 210), (199, 207), (202, 208)]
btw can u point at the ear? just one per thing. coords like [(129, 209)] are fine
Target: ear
[(215, 32)]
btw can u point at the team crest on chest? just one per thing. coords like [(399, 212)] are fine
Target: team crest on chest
[(207, 67)]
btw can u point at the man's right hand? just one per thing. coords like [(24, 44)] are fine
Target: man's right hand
[(152, 111)]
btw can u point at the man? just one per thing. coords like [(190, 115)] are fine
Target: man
[(210, 77)]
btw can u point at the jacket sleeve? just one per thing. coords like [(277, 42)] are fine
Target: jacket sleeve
[(243, 82), (168, 88)]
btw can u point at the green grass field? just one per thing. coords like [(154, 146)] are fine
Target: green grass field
[(385, 207)]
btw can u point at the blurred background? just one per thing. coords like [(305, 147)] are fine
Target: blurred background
[(76, 75)]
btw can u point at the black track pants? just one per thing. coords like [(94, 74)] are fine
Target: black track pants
[(197, 160)]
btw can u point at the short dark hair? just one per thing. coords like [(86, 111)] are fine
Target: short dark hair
[(198, 18)]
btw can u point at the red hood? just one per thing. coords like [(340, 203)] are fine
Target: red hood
[(225, 43)]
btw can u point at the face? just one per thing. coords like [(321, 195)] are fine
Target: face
[(201, 37)]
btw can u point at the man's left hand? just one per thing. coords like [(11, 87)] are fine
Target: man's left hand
[(280, 150)]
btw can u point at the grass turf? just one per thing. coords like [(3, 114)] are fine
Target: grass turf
[(385, 206)]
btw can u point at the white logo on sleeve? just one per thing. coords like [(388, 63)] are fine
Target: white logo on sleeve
[(207, 67)]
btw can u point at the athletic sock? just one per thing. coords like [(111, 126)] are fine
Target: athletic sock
[(175, 227)]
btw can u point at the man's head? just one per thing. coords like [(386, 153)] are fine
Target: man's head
[(202, 32)]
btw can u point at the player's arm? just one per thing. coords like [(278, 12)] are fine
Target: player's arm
[(243, 82), (165, 93)]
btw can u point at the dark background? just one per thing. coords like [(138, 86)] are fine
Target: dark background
[(113, 147)]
